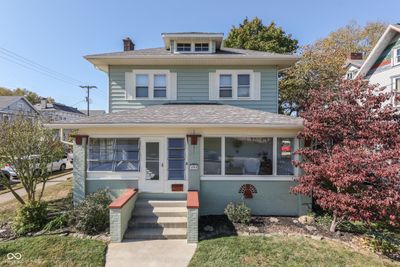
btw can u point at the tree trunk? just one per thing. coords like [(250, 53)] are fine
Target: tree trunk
[(334, 224)]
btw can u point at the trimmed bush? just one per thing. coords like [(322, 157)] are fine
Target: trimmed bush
[(57, 223), (92, 215), (31, 217), (238, 213)]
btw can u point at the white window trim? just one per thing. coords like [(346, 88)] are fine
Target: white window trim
[(224, 177), (235, 74), (395, 59), (150, 74)]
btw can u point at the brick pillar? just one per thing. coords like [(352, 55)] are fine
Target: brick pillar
[(193, 225), (79, 172)]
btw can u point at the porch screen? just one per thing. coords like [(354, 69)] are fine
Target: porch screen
[(111, 154), (176, 159)]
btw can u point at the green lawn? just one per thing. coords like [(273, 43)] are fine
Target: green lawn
[(53, 251), (280, 251)]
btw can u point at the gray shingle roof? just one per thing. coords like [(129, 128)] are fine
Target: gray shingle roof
[(187, 114), (58, 106), (6, 101), (356, 62), (161, 51)]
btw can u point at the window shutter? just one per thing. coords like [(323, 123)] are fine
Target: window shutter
[(173, 85), (129, 85), (212, 85), (257, 85)]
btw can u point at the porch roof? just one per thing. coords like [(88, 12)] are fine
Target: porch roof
[(185, 114)]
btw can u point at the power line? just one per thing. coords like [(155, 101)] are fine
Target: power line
[(37, 65), (88, 87)]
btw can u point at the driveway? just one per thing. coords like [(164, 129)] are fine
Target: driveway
[(150, 253), (9, 196)]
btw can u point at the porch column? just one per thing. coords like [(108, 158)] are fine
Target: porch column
[(194, 162), (80, 167)]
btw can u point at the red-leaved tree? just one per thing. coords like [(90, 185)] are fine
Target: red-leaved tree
[(352, 168)]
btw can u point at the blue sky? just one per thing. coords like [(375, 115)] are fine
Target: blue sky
[(57, 34)]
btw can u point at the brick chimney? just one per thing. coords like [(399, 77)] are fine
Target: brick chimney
[(43, 103), (355, 56), (128, 44)]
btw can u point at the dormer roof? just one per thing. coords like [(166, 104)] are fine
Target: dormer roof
[(192, 37)]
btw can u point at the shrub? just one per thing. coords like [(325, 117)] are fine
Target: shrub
[(57, 223), (31, 217), (381, 244), (238, 213), (92, 215)]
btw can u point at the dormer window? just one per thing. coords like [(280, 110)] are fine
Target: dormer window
[(201, 47), (183, 47)]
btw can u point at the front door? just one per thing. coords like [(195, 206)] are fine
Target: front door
[(152, 179)]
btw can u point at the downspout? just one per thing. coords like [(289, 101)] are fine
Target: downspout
[(62, 138)]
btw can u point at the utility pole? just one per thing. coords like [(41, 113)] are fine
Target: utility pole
[(88, 87)]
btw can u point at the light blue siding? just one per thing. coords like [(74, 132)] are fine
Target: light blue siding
[(272, 198), (193, 86)]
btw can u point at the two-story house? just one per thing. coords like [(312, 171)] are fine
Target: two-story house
[(191, 116), (382, 66)]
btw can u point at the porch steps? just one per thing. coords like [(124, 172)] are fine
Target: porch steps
[(158, 219)]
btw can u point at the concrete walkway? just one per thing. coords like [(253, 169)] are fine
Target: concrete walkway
[(9, 196), (150, 253)]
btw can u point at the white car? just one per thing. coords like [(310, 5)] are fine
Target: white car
[(59, 165)]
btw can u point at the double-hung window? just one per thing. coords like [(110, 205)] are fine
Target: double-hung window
[(243, 89), (225, 86), (184, 47), (142, 85), (160, 85), (110, 154), (201, 47), (396, 54)]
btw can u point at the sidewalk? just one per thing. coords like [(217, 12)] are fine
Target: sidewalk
[(9, 196)]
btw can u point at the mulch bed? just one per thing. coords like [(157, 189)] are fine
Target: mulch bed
[(219, 225)]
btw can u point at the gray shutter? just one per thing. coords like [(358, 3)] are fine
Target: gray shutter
[(129, 85), (212, 86), (173, 85), (257, 86)]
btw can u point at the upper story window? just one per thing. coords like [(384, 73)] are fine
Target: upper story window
[(243, 85), (396, 56), (150, 84), (142, 85), (184, 47), (201, 47), (160, 85), (225, 85), (235, 85)]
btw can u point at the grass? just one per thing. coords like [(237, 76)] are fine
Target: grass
[(280, 251), (58, 195), (53, 251)]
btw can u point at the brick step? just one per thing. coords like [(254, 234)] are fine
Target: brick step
[(159, 203), (155, 233), (160, 212), (158, 222)]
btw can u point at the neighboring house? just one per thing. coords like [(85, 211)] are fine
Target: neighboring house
[(93, 112), (353, 65), (56, 111), (13, 106), (190, 116), (382, 66)]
